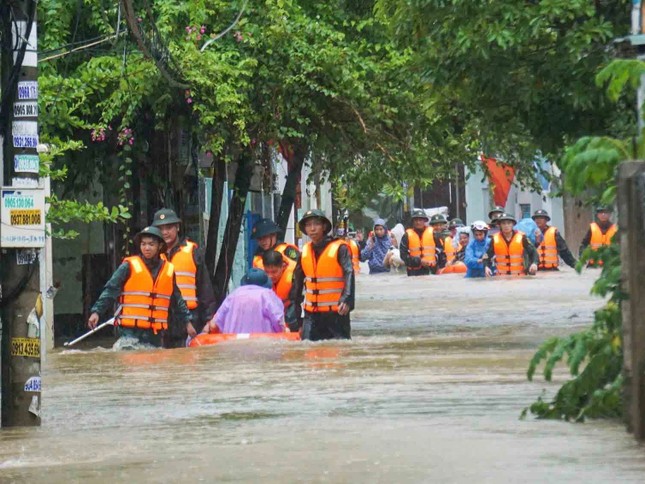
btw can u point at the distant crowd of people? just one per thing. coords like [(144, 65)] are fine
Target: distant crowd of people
[(502, 246)]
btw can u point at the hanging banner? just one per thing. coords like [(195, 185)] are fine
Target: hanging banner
[(501, 178)]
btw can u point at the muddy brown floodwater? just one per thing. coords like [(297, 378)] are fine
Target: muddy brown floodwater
[(429, 390)]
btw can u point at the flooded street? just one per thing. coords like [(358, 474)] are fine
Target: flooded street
[(429, 390)]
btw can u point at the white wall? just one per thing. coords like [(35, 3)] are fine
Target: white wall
[(308, 194)]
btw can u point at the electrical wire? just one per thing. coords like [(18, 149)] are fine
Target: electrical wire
[(12, 79), (62, 54)]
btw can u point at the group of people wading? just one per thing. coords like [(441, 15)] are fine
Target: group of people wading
[(164, 293), (165, 296), (497, 248)]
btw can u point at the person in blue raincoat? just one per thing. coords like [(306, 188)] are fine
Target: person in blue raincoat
[(476, 259), (377, 247), (529, 228)]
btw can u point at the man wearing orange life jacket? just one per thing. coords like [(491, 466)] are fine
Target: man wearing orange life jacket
[(457, 264), (421, 249), (325, 272), (451, 242), (191, 274), (280, 270), (550, 244), (266, 232), (599, 234), (513, 252), (439, 224), (147, 292)]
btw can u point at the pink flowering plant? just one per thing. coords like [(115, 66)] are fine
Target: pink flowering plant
[(125, 137)]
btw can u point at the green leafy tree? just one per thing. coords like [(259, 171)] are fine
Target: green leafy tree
[(516, 78), (594, 356)]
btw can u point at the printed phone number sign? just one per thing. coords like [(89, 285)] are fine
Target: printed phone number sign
[(24, 134), (29, 347), (23, 218), (26, 163)]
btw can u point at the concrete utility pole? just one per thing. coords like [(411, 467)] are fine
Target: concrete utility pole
[(631, 210), (22, 212)]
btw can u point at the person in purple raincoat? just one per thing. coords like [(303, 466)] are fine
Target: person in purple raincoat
[(251, 308)]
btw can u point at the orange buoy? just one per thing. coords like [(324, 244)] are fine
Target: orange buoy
[(213, 339)]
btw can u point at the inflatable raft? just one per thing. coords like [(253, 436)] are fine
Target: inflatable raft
[(213, 339), (456, 268)]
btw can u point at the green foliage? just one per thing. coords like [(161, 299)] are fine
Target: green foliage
[(595, 390), (61, 212), (590, 167), (514, 78)]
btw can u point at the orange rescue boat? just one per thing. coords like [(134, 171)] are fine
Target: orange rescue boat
[(215, 338)]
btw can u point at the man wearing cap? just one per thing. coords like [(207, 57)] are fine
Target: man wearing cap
[(192, 277), (421, 248), (266, 232), (599, 234), (325, 271), (251, 308), (147, 291), (513, 252), (550, 244)]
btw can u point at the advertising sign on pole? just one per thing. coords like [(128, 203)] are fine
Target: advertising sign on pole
[(22, 213)]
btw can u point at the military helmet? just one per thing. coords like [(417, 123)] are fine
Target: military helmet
[(495, 218), (496, 209), (456, 222), (263, 227), (419, 213), (541, 213), (604, 208), (148, 231), (505, 216), (438, 219), (165, 216), (314, 213)]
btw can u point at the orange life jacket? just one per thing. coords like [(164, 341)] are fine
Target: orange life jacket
[(145, 302), (598, 239), (509, 257), (548, 250), (186, 273), (324, 278), (424, 248), (449, 249), (283, 287), (281, 247), (356, 255)]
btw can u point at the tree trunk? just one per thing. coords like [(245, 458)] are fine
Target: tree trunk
[(233, 225), (217, 191), (293, 178)]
